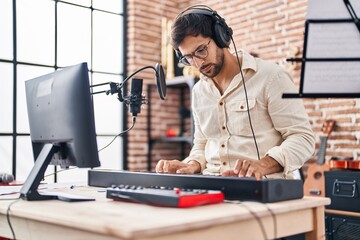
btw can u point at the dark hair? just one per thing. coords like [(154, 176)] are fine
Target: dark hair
[(192, 24)]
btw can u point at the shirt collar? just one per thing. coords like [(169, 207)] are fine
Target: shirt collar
[(248, 62)]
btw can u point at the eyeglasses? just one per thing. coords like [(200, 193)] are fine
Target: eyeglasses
[(200, 54)]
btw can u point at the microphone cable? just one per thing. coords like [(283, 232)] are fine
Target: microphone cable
[(120, 134)]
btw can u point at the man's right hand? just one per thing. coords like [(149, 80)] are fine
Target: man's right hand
[(176, 166)]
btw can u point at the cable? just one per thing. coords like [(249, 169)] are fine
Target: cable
[(120, 134), (239, 203), (247, 100), (8, 217), (61, 170), (17, 199), (274, 220)]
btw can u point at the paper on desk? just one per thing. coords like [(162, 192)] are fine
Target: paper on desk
[(7, 190)]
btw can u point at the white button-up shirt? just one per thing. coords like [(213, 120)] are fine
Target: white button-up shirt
[(222, 128)]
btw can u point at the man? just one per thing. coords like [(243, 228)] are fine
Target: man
[(243, 127)]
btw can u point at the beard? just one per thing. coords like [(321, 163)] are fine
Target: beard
[(212, 69)]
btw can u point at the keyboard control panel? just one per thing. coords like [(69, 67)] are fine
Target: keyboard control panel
[(166, 197)]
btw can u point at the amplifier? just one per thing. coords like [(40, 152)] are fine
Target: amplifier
[(341, 227), (342, 187)]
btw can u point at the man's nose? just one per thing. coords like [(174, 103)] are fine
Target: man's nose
[(198, 62)]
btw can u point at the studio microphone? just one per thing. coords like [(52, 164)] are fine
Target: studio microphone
[(160, 80), (136, 98), (6, 178)]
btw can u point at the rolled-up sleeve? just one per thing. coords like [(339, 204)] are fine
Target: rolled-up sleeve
[(290, 120)]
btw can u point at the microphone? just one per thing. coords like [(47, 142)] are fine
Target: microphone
[(6, 178), (136, 99), (160, 80)]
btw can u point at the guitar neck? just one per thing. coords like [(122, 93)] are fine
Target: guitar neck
[(322, 151)]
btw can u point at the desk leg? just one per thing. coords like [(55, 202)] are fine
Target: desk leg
[(318, 232)]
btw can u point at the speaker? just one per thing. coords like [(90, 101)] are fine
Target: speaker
[(221, 32), (342, 187), (341, 227)]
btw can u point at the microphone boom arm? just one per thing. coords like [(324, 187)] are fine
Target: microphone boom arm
[(116, 87)]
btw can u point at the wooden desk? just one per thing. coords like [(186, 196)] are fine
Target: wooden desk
[(108, 219)]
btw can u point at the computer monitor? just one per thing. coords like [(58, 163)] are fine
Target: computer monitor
[(62, 125)]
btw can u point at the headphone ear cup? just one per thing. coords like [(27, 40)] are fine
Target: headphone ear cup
[(222, 35), (178, 53)]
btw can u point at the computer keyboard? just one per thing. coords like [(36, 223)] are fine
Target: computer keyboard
[(166, 197)]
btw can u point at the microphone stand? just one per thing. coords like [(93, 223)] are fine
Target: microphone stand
[(134, 100), (116, 87)]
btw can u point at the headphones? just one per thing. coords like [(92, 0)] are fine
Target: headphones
[(221, 32)]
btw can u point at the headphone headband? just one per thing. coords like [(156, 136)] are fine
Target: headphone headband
[(221, 32)]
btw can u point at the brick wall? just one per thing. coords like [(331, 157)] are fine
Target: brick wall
[(273, 29), (144, 48)]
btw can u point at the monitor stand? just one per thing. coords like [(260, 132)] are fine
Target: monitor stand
[(29, 190)]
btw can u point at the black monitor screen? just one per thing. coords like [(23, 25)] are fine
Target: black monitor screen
[(61, 117), (60, 112)]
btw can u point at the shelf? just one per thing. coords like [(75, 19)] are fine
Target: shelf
[(173, 139), (181, 81), (183, 84)]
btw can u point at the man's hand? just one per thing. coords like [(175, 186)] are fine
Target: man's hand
[(254, 168), (176, 166)]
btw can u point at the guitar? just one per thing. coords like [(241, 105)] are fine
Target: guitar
[(314, 184)]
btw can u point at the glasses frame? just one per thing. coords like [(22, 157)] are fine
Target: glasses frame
[(189, 58)]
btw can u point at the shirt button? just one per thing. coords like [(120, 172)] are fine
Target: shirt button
[(222, 145), (224, 163), (224, 127), (241, 107), (221, 103)]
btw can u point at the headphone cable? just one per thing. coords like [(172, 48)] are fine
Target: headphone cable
[(257, 218), (247, 100)]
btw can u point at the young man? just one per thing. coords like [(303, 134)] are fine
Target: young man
[(243, 127)]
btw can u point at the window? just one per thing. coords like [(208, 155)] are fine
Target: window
[(40, 36)]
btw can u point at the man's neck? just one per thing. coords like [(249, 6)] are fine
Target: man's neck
[(228, 72)]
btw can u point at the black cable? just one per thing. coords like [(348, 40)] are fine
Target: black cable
[(120, 134), (239, 203), (274, 220), (273, 216), (58, 171), (8, 217), (247, 100), (17, 199)]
